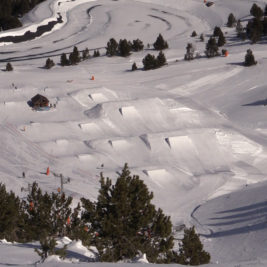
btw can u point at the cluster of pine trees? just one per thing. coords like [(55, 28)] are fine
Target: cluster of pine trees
[(152, 62), (123, 48), (122, 223), (12, 10), (75, 57), (255, 28)]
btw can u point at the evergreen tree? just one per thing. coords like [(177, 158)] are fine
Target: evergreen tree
[(38, 208), (211, 48), (221, 40), (217, 31), (249, 59), (126, 222), (96, 53), (190, 50), (191, 250), (134, 67), (112, 47), (74, 57), (194, 34), (85, 54), (49, 63), (9, 67), (63, 60), (124, 48), (256, 11), (254, 30), (161, 59), (202, 39), (231, 22), (160, 43), (47, 215), (137, 45), (11, 216), (150, 62), (60, 214)]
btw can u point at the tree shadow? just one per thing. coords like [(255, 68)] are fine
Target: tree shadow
[(257, 103), (251, 218)]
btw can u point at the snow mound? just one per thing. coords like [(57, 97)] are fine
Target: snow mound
[(128, 111), (78, 248), (141, 259), (98, 97), (90, 127)]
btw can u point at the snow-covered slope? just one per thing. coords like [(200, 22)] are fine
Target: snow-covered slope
[(192, 130)]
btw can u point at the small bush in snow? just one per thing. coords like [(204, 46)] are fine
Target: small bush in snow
[(249, 59), (49, 63), (134, 67), (194, 34), (9, 67), (48, 248)]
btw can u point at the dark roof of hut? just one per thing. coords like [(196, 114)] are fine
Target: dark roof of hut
[(39, 100)]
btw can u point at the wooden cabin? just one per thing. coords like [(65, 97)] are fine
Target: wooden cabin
[(39, 101)]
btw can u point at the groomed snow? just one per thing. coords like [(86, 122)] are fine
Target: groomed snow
[(194, 131)]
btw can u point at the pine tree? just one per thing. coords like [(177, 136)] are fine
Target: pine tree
[(221, 40), (112, 47), (137, 45), (190, 50), (161, 59), (11, 216), (160, 43), (150, 62), (96, 53), (49, 63), (256, 11), (63, 60), (217, 31), (85, 54), (126, 222), (134, 67), (191, 250), (202, 39), (211, 48), (124, 48), (74, 57), (231, 22), (61, 213), (9, 67), (249, 59), (254, 30), (38, 208)]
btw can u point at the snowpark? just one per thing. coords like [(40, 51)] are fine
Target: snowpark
[(195, 132)]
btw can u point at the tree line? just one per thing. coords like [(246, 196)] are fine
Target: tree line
[(121, 223)]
